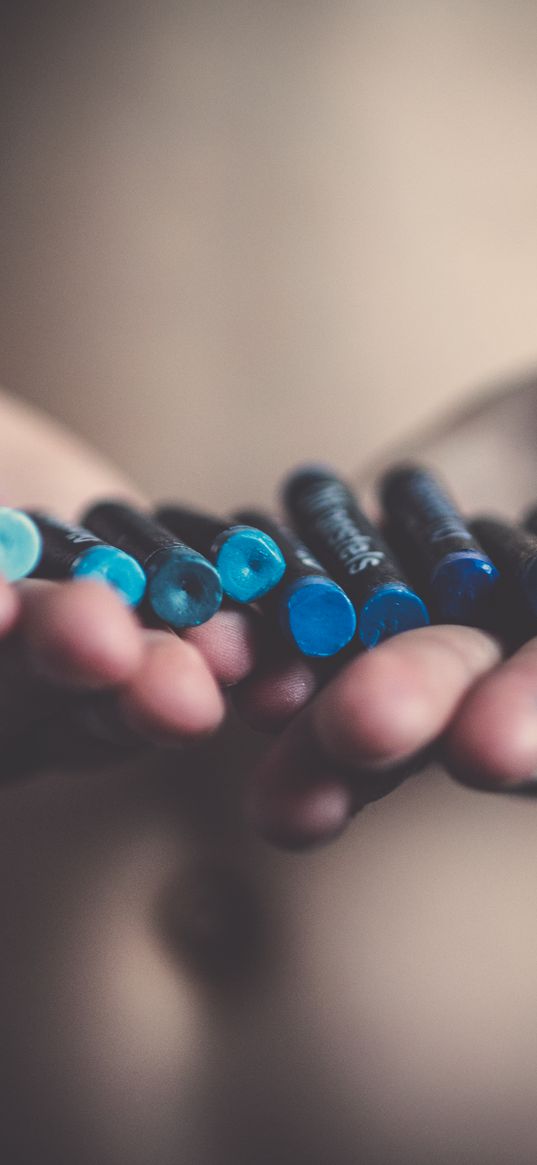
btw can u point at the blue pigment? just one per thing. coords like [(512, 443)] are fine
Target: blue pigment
[(249, 563), (20, 544), (114, 567)]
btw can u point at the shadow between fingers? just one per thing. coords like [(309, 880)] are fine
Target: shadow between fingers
[(371, 785)]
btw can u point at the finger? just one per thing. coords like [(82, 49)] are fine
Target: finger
[(79, 634), (392, 702), (383, 708), (297, 799), (277, 691), (229, 644), (10, 607), (67, 638), (172, 697), (493, 740)]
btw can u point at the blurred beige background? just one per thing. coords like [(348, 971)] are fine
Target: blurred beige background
[(234, 235), (237, 234)]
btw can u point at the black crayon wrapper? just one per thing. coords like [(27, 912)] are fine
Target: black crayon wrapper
[(63, 544), (196, 529), (132, 530), (299, 560), (350, 547), (424, 522)]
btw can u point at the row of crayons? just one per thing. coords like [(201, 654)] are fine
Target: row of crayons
[(331, 578)]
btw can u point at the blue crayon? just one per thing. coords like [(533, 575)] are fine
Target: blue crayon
[(249, 562), (514, 552), (530, 520), (436, 543), (20, 544), (312, 610), (74, 552), (329, 519), (183, 588)]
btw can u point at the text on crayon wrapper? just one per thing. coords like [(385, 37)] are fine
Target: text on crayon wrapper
[(329, 503)]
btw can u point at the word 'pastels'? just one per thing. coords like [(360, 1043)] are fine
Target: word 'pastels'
[(330, 521)]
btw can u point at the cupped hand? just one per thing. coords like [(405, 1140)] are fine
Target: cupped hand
[(73, 647), (343, 741), (442, 690)]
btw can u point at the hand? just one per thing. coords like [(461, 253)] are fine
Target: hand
[(440, 687), (75, 645)]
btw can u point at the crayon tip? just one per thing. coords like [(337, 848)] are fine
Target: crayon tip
[(390, 610), (249, 563), (318, 616), (111, 565), (20, 544), (184, 589), (463, 586)]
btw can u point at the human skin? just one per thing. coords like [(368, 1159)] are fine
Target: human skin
[(444, 688), (142, 1020), (379, 710), (78, 636)]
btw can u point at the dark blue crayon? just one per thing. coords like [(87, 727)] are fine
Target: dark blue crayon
[(312, 610), (329, 519), (436, 543), (74, 552), (530, 520), (249, 562), (183, 589), (513, 551)]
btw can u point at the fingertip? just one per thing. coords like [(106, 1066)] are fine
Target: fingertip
[(492, 744), (373, 712), (173, 696), (390, 703), (299, 819), (295, 801), (10, 606), (80, 633), (228, 643)]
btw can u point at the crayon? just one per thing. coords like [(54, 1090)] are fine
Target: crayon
[(329, 519), (435, 542), (249, 562), (73, 552), (183, 588), (313, 612)]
